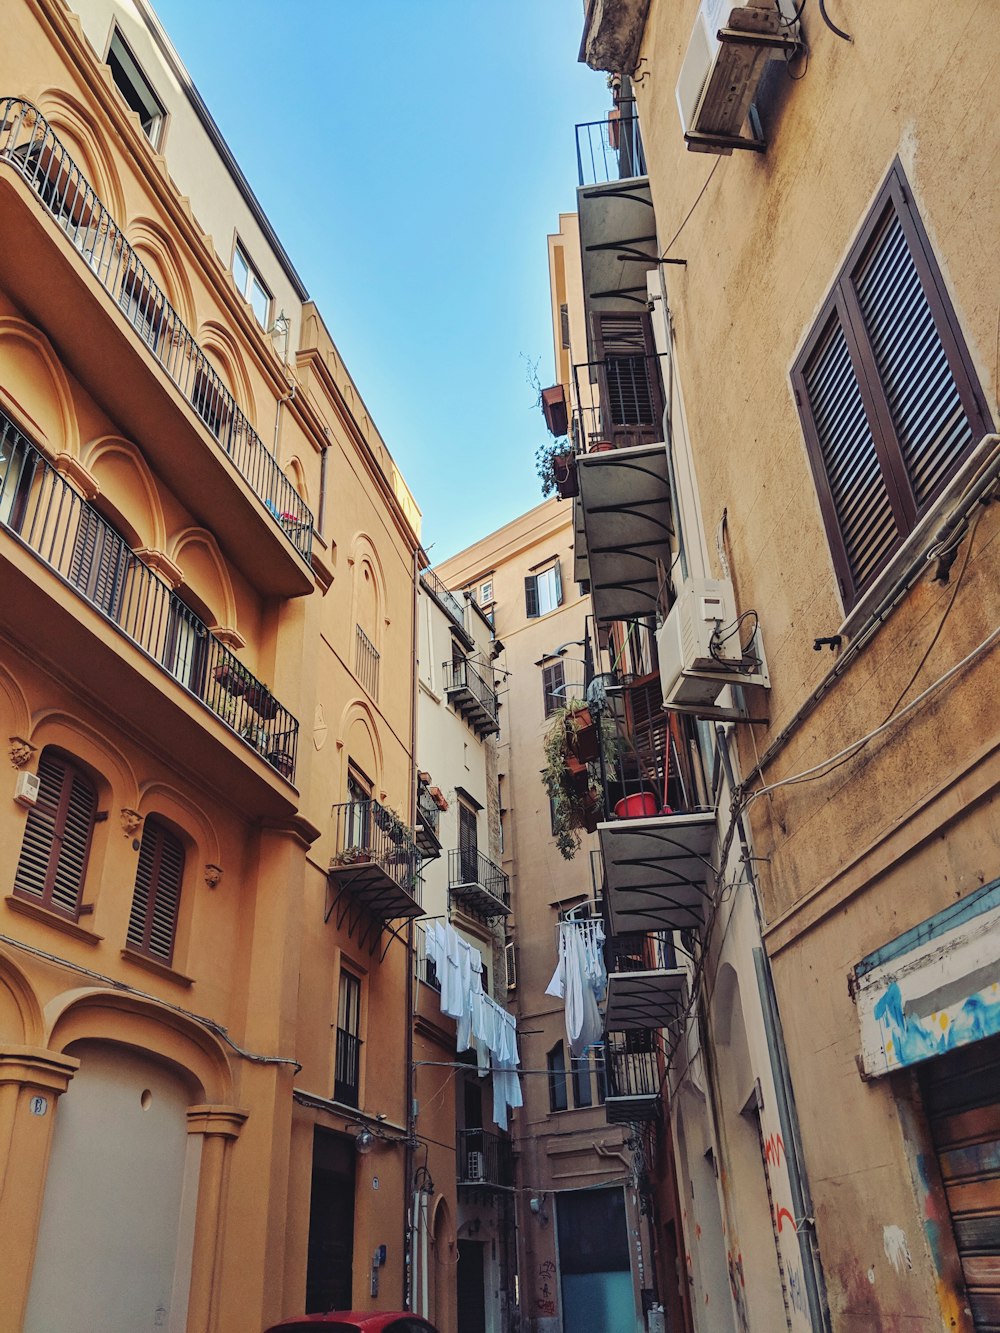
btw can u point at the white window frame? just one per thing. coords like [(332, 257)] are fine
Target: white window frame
[(253, 281), (145, 92)]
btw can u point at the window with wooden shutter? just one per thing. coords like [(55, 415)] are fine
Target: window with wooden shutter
[(152, 923), (57, 834), (889, 401), (100, 562), (628, 374), (543, 591), (553, 688)]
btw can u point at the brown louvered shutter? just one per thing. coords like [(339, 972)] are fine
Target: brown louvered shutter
[(99, 562), (888, 397), (57, 833), (156, 899), (629, 378)]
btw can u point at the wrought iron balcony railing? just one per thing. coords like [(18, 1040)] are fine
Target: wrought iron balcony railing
[(611, 149), (477, 882), (448, 600), (347, 1068), (472, 696), (639, 953), (621, 401), (484, 1159), (41, 510), (633, 1076), (429, 822), (375, 851), (29, 145), (366, 661)]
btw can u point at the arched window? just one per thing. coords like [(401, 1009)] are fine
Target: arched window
[(152, 922), (53, 860)]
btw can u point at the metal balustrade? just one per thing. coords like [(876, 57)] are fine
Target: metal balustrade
[(610, 149), (448, 600), (366, 662), (377, 859), (620, 401), (484, 1159), (639, 953), (633, 1077), (41, 510), (472, 696), (30, 146), (478, 882), (347, 1068)]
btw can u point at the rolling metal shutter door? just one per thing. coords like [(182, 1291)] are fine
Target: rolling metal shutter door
[(962, 1098)]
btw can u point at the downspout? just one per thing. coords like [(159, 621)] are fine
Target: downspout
[(409, 1073), (805, 1226)]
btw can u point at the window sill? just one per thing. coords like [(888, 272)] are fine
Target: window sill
[(39, 913), (918, 539), (158, 969)]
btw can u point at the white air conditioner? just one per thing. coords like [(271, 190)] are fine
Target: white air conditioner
[(26, 788), (701, 647), (719, 78), (476, 1167)]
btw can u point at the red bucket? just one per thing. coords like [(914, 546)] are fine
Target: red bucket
[(639, 806)]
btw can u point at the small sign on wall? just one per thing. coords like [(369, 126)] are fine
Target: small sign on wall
[(39, 1105)]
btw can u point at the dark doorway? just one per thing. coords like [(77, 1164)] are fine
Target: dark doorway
[(471, 1287), (331, 1224)]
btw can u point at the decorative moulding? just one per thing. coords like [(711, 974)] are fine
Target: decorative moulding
[(131, 821), (213, 875), (20, 751), (230, 636), (162, 564), (77, 476)]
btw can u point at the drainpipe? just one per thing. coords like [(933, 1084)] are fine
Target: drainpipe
[(805, 1226), (321, 516), (409, 1222), (277, 417)]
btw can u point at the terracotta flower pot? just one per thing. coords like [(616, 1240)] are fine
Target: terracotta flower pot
[(564, 466)]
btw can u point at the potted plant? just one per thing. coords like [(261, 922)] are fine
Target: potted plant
[(233, 677), (261, 700), (556, 466), (554, 410), (351, 856), (576, 801), (282, 761)]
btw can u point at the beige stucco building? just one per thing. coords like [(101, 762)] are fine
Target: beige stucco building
[(815, 184), (208, 558)]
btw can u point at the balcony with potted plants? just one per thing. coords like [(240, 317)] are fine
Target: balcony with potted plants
[(67, 263), (126, 636), (375, 867)]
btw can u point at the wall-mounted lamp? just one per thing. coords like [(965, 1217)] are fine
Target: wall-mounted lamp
[(537, 1205), (364, 1142)]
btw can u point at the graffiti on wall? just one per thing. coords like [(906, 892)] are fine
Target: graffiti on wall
[(545, 1303)]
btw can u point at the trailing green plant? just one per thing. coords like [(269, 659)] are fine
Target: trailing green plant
[(545, 463)]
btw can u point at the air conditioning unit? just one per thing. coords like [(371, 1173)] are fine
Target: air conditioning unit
[(26, 788), (701, 647), (720, 75), (475, 1167)]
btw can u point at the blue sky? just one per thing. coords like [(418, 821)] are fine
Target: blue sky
[(412, 156)]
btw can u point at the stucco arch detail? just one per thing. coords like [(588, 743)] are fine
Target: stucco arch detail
[(45, 410), (726, 989), (161, 798), (364, 558), (147, 235), (358, 718), (74, 124), (149, 523), (53, 727), (296, 475), (20, 1013), (95, 1014), (15, 712), (212, 567), (217, 340)]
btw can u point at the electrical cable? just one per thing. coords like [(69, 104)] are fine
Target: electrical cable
[(845, 36), (708, 181)]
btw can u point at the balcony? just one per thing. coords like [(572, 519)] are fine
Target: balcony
[(428, 824), (448, 601), (67, 263), (646, 991), (347, 1068), (478, 884), (632, 1073), (617, 224), (484, 1159), (375, 869), (49, 523), (471, 696)]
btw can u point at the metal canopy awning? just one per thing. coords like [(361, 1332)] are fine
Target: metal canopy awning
[(657, 871), (617, 243), (625, 503), (640, 1000)]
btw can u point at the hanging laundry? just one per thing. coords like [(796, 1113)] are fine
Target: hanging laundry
[(581, 980)]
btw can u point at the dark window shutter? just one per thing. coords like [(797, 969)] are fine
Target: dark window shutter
[(553, 680), (99, 562), (156, 899), (564, 325), (888, 397), (559, 584), (57, 833), (530, 597), (629, 377)]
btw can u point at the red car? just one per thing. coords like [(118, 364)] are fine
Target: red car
[(355, 1321)]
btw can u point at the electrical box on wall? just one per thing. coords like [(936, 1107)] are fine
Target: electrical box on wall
[(26, 789)]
